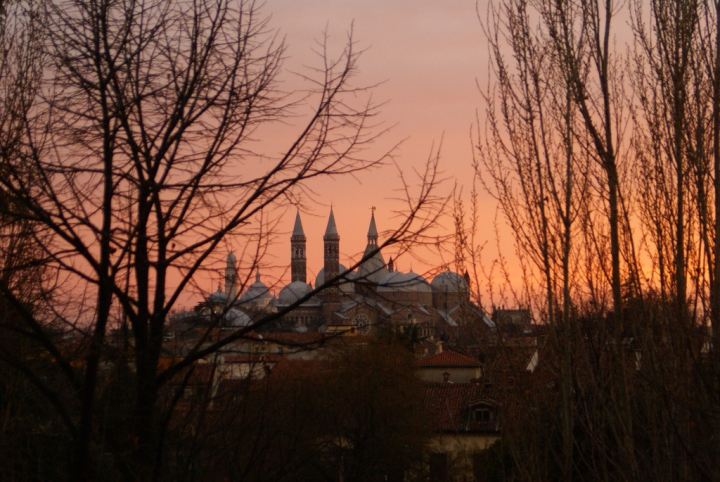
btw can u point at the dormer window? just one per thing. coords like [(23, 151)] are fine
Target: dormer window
[(483, 412)]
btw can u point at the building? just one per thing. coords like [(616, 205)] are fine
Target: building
[(373, 297)]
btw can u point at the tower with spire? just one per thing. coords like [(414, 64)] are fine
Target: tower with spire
[(372, 234), (331, 241), (231, 277), (373, 268), (298, 259)]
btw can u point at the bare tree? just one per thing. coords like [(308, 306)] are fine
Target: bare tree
[(636, 370), (530, 160), (138, 145)]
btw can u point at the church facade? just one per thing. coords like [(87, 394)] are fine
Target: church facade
[(374, 297)]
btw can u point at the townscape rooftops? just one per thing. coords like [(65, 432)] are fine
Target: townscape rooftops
[(449, 358)]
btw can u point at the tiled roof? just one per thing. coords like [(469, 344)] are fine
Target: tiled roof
[(448, 319), (449, 359), (448, 407), (294, 338)]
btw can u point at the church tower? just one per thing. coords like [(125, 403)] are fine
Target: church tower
[(372, 234), (373, 268), (331, 296), (298, 260), (332, 250), (231, 278)]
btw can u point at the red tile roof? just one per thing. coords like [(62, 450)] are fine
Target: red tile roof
[(292, 338), (449, 359), (449, 407)]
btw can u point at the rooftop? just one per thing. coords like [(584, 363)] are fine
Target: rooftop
[(449, 359)]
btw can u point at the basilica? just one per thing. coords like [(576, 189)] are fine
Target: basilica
[(372, 298)]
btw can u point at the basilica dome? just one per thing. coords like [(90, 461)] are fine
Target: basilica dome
[(236, 318), (404, 282), (449, 282), (346, 287), (257, 294), (293, 292), (373, 269), (218, 297)]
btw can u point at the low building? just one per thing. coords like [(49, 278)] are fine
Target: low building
[(449, 366), (465, 418)]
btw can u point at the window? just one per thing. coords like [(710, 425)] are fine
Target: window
[(483, 414), (362, 322)]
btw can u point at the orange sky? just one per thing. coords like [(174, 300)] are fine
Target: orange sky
[(429, 55)]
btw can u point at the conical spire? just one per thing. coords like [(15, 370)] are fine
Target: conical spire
[(298, 229), (372, 231), (331, 228), (297, 251)]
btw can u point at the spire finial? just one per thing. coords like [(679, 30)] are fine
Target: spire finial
[(331, 227), (372, 230), (257, 275), (298, 228)]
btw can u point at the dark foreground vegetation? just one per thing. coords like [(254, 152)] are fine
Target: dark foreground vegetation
[(601, 144)]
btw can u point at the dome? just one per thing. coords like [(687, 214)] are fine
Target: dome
[(449, 282), (236, 318), (293, 292), (405, 282), (257, 293), (373, 269), (231, 258), (218, 297), (344, 287)]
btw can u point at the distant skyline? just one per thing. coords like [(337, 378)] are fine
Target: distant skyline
[(427, 55)]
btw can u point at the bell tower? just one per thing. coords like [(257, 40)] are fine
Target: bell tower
[(372, 234), (331, 296), (231, 277), (298, 259), (332, 250)]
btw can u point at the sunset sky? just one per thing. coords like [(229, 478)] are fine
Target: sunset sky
[(429, 54)]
